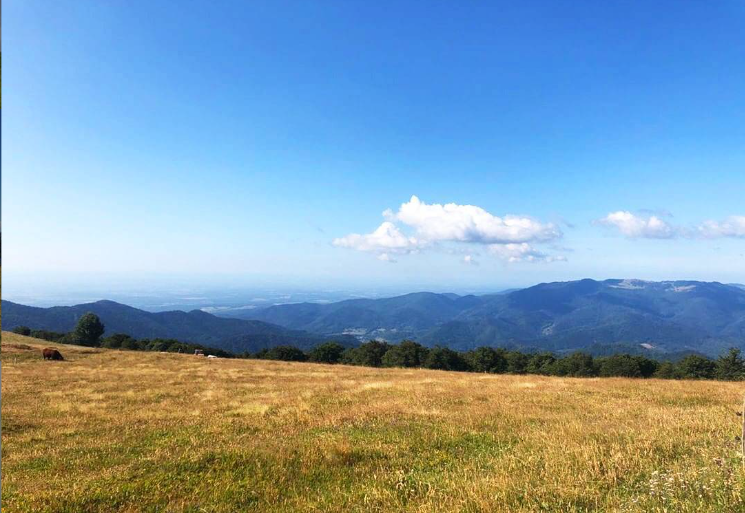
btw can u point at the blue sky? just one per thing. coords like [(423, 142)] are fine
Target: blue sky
[(248, 143)]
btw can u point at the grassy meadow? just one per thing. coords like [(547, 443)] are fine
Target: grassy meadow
[(110, 430)]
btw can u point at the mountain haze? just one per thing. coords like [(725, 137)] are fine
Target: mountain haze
[(666, 316), (234, 335), (596, 316)]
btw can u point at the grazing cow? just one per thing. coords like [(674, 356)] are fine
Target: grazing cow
[(51, 353), (211, 356)]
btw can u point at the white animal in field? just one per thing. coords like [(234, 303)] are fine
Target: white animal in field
[(211, 356)]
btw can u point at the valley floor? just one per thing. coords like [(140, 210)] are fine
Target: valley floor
[(131, 431)]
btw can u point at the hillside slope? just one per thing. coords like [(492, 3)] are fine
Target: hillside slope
[(110, 430)]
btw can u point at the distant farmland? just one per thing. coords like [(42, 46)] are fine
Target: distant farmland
[(130, 431)]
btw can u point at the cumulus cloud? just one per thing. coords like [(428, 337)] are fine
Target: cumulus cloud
[(436, 225), (522, 252), (733, 226), (387, 238), (469, 223), (636, 226), (640, 226)]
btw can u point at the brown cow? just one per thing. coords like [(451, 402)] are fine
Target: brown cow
[(51, 353)]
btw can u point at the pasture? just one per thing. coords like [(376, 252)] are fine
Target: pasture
[(126, 431)]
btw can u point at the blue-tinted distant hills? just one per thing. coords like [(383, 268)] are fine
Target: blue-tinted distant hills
[(661, 317), (236, 335), (668, 316)]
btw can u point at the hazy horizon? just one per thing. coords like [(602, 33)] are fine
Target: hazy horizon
[(216, 296)]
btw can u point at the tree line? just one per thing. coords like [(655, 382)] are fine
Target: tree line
[(410, 354)]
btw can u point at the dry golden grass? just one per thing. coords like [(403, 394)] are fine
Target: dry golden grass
[(127, 431)]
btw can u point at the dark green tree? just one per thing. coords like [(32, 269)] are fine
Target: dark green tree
[(487, 359), (697, 367), (115, 341), (731, 366), (88, 330), (328, 352), (622, 365), (261, 354), (131, 344), (369, 354), (647, 366), (579, 365), (667, 370), (405, 354), (158, 345), (517, 362), (51, 336), (541, 363), (442, 358), (22, 330), (286, 353)]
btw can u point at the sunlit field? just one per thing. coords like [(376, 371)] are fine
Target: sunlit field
[(133, 431)]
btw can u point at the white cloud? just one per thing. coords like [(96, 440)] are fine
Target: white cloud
[(387, 238), (636, 226), (522, 252), (733, 226), (469, 223), (385, 257), (469, 260), (436, 224)]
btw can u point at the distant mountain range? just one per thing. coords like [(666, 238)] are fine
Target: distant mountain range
[(234, 335), (667, 317), (598, 316)]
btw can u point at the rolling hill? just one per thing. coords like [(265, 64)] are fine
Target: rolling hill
[(596, 316), (234, 335), (666, 316)]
